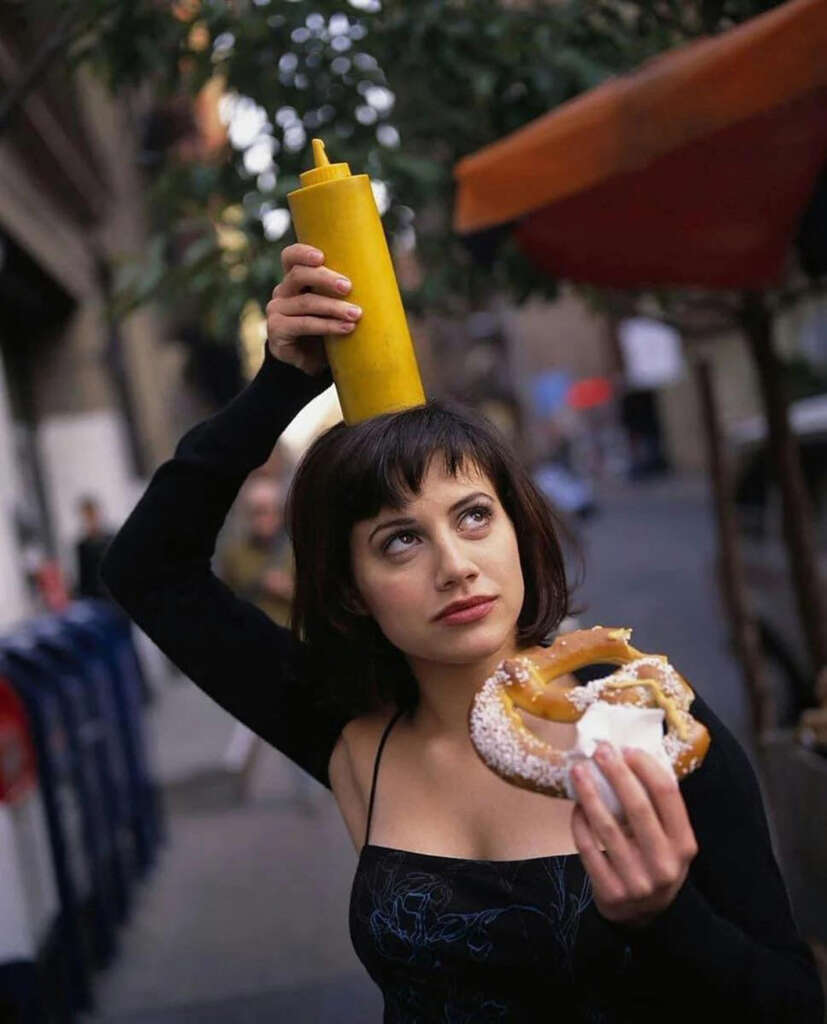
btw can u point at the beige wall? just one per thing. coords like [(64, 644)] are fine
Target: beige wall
[(123, 233), (568, 333), (80, 426), (72, 374), (736, 393), (41, 227), (561, 334)]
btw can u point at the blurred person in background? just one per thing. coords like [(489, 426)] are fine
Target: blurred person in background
[(472, 899), (258, 565), (639, 415), (570, 492), (93, 540), (90, 547)]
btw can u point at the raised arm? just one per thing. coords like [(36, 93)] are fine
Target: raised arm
[(158, 569), (158, 565)]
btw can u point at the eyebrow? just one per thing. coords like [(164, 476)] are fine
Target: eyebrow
[(407, 521)]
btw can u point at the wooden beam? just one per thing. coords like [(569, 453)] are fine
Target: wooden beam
[(799, 531), (730, 565)]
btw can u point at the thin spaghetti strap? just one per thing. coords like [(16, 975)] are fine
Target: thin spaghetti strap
[(379, 750)]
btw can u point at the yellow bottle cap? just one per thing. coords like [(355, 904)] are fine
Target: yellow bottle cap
[(324, 169)]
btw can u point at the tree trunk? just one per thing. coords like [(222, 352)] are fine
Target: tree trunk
[(730, 566), (799, 532)]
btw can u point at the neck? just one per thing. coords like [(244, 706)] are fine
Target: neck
[(446, 691)]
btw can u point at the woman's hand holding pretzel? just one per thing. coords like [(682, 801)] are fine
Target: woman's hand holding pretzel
[(305, 306), (638, 867)]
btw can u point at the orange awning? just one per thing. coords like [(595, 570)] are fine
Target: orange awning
[(693, 170)]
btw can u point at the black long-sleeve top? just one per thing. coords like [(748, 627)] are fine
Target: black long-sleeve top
[(727, 942)]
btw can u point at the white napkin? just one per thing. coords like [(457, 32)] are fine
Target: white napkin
[(622, 725)]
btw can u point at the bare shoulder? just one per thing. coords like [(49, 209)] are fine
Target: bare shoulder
[(354, 753), (351, 768)]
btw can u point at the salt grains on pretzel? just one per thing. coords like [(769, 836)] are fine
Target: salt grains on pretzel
[(532, 681)]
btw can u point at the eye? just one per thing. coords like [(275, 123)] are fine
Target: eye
[(483, 510), (397, 536), (483, 513)]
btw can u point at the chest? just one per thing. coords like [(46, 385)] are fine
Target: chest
[(443, 800)]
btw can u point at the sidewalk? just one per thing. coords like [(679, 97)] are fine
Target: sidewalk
[(244, 917)]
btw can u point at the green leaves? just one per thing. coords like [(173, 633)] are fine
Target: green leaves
[(459, 75)]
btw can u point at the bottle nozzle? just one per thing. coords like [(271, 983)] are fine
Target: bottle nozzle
[(324, 169), (319, 154)]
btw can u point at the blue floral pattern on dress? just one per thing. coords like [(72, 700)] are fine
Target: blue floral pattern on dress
[(423, 925), (411, 920)]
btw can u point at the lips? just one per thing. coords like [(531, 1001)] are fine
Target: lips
[(458, 606)]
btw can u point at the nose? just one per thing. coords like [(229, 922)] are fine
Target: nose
[(454, 562)]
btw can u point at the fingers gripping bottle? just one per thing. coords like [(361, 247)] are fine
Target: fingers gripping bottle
[(374, 367)]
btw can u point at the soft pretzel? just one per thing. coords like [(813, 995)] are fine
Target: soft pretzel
[(532, 681)]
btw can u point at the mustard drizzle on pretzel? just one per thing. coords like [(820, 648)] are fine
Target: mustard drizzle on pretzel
[(532, 681)]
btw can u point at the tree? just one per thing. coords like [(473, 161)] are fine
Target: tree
[(400, 90)]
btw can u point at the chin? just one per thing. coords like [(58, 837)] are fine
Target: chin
[(476, 646)]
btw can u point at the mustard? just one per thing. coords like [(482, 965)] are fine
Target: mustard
[(374, 367)]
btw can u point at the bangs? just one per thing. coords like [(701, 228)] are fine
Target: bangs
[(388, 458)]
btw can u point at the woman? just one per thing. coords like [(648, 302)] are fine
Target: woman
[(472, 900)]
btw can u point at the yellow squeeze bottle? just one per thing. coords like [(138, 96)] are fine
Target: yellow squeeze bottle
[(374, 367)]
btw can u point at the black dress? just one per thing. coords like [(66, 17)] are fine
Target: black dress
[(449, 939), (453, 940)]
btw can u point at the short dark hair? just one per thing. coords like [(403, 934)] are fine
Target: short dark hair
[(349, 474)]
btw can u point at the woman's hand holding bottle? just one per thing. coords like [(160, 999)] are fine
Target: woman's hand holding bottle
[(305, 306)]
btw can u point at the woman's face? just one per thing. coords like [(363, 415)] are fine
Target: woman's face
[(454, 542)]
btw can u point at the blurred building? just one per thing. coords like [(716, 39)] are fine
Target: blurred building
[(84, 405), (493, 358), (800, 334)]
